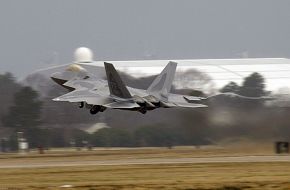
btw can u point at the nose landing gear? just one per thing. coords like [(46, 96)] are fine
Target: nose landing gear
[(81, 104)]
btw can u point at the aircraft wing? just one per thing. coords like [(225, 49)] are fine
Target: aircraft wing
[(182, 104), (186, 101), (193, 98), (86, 84), (84, 96), (190, 105), (122, 105), (76, 94), (89, 90), (111, 94)]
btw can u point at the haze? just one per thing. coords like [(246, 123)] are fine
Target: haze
[(36, 34)]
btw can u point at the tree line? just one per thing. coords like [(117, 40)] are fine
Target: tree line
[(24, 110)]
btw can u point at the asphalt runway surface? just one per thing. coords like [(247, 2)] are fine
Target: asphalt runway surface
[(151, 161)]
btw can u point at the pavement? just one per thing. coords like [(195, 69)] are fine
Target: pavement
[(145, 161)]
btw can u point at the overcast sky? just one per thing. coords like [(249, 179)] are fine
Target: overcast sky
[(35, 33)]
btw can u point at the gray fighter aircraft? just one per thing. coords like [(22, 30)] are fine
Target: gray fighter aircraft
[(98, 95)]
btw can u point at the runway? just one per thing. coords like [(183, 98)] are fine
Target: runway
[(147, 161)]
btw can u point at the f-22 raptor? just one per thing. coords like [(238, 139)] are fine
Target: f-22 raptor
[(99, 95)]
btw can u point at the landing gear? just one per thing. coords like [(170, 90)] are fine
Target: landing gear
[(81, 104), (157, 104), (103, 109), (95, 109)]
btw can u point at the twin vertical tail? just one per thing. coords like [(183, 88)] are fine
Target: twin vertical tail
[(159, 88), (162, 84), (116, 85)]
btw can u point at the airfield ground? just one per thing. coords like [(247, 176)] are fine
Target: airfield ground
[(228, 168)]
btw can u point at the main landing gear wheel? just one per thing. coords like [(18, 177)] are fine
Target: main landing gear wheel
[(95, 109)]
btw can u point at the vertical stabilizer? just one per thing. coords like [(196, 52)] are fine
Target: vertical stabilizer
[(116, 85), (161, 86)]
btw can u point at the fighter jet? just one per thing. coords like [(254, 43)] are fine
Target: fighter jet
[(98, 95)]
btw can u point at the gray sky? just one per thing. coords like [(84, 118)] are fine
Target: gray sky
[(33, 32)]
